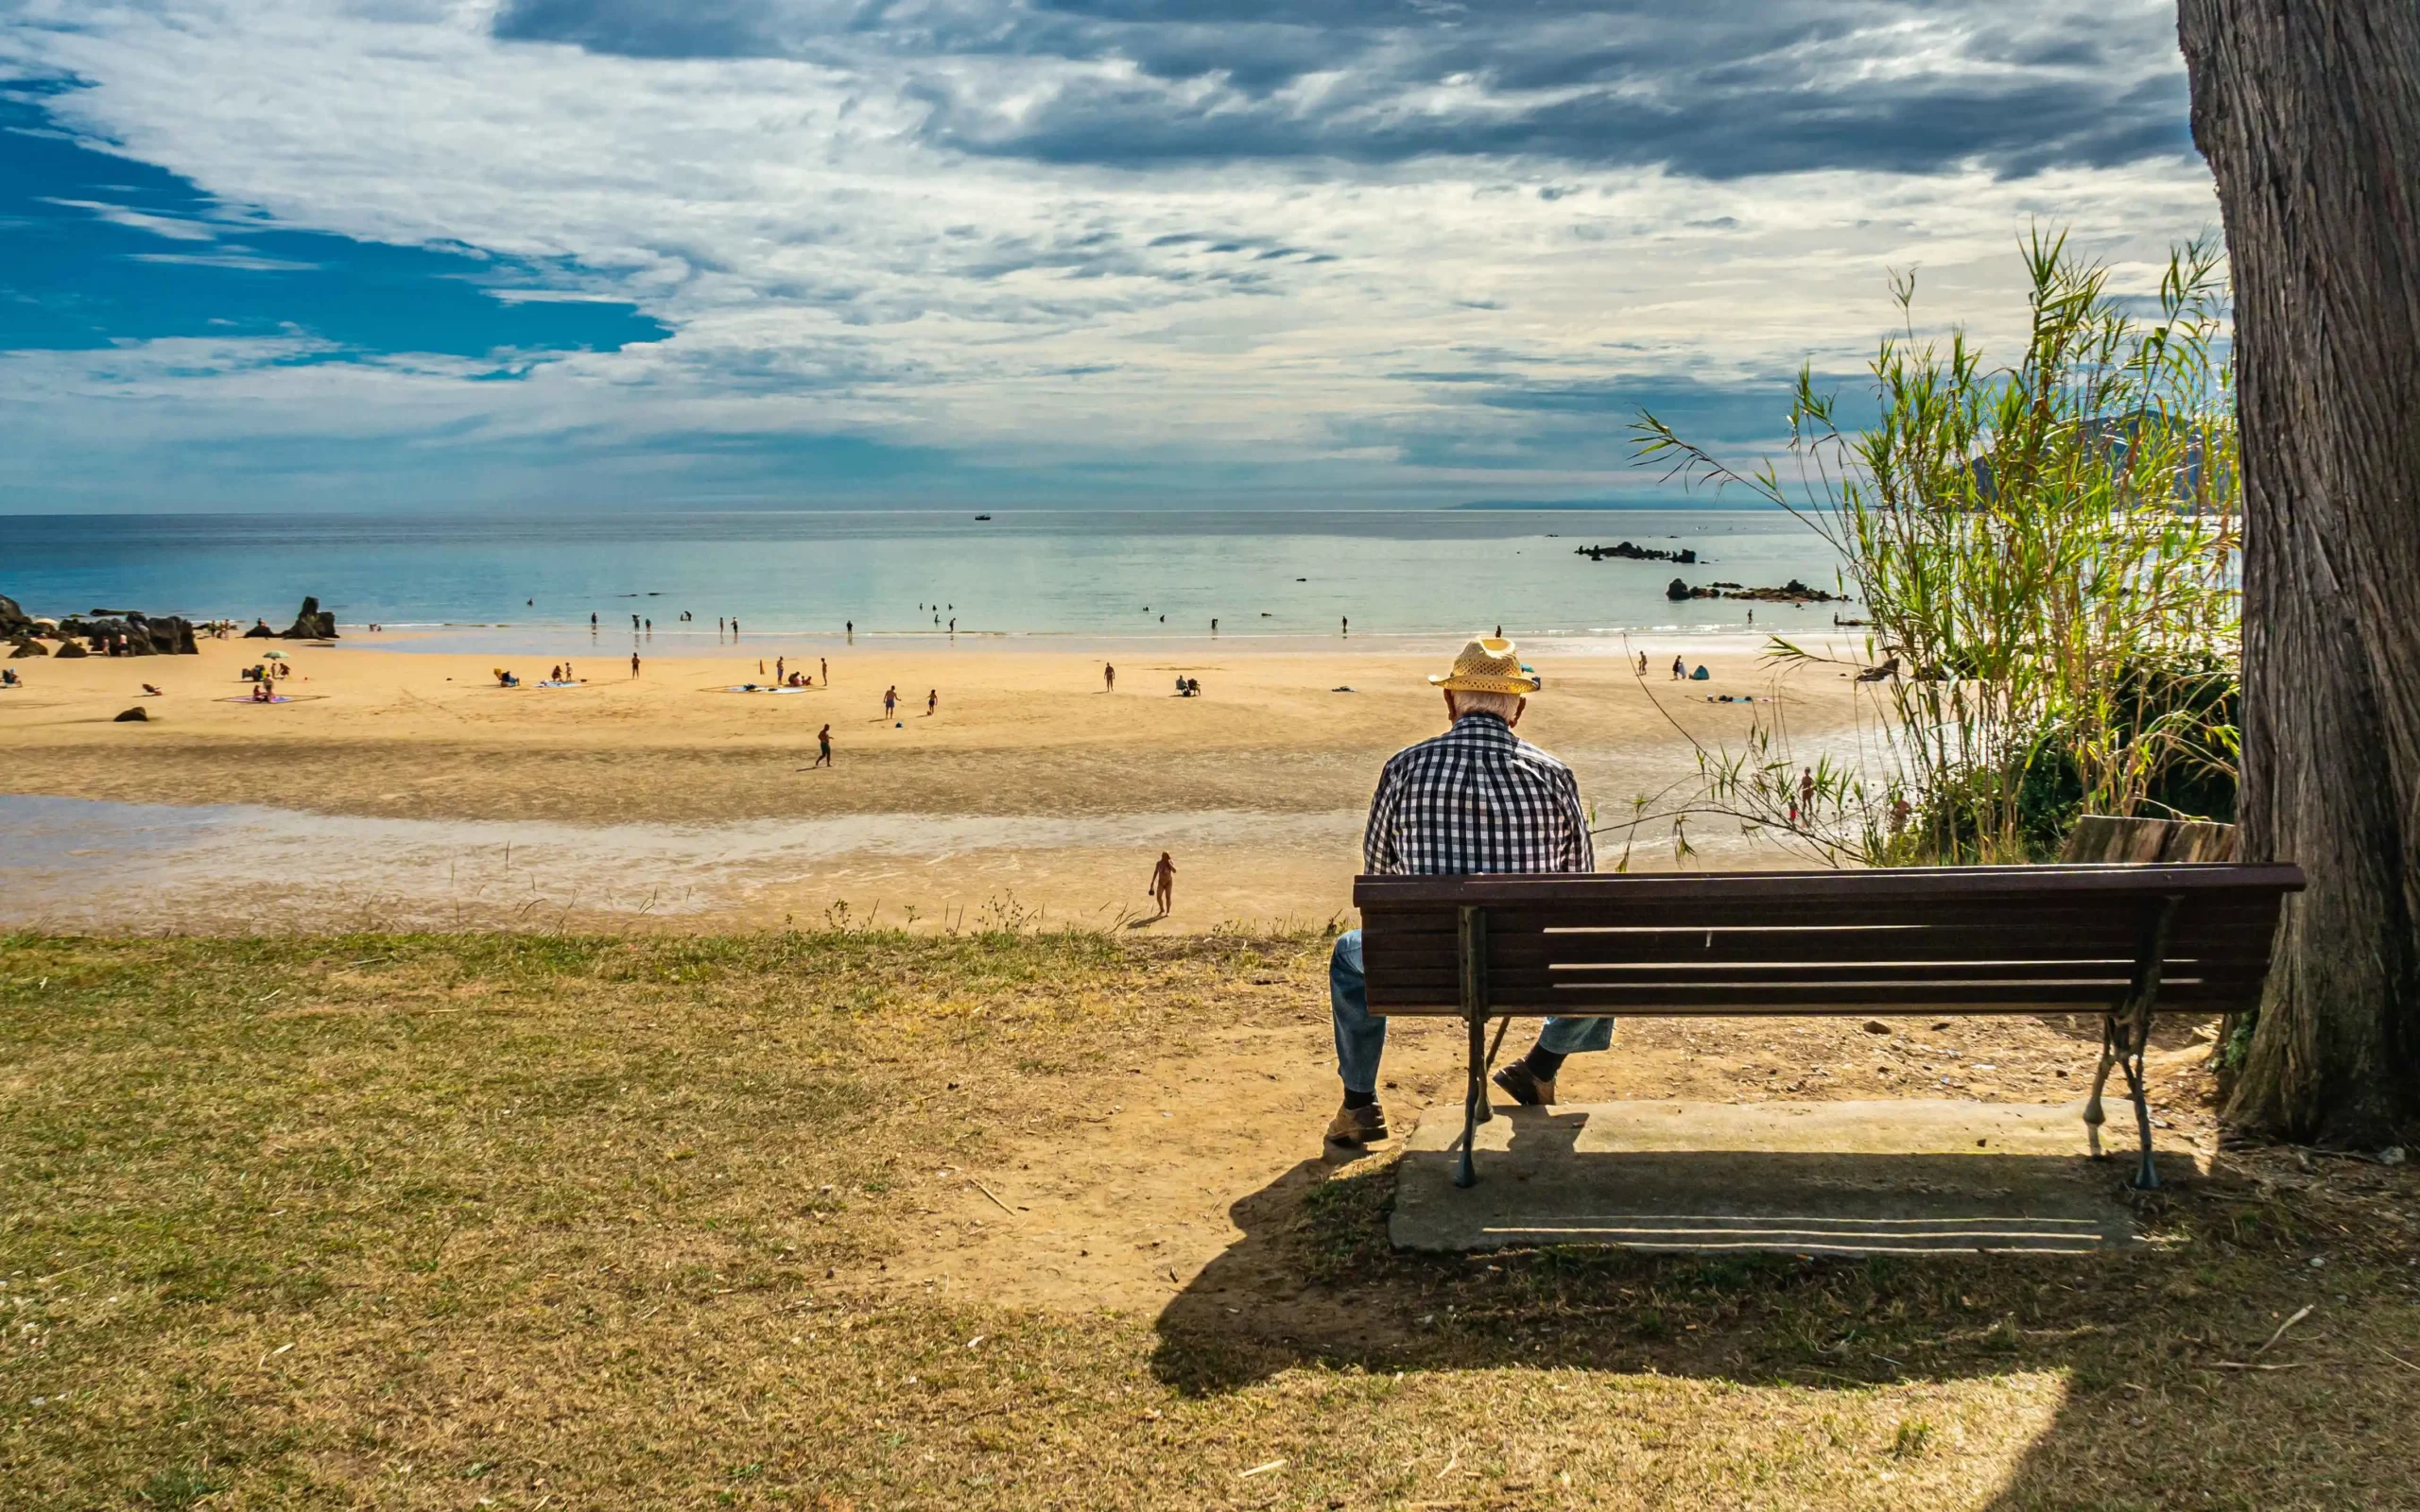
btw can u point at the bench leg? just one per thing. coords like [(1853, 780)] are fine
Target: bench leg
[(2122, 1046), (1474, 1102), (2146, 1179)]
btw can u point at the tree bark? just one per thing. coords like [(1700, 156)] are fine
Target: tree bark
[(2308, 112)]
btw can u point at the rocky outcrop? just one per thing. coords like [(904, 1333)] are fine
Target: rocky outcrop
[(310, 624), (26, 645), (70, 648), (136, 716), (1626, 552), (132, 634), (14, 621), (1792, 592)]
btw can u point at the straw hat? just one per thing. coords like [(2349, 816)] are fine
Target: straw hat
[(1488, 665)]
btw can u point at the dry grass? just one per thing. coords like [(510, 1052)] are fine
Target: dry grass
[(524, 1221)]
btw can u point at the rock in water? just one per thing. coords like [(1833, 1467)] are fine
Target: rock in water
[(310, 624), (136, 716), (1677, 590)]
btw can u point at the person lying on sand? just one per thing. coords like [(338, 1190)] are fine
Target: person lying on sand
[(1476, 799)]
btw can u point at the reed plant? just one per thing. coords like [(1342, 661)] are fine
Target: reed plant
[(2046, 552)]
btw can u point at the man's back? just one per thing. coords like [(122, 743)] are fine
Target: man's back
[(1476, 799)]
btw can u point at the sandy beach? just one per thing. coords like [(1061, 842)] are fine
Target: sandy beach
[(405, 787)]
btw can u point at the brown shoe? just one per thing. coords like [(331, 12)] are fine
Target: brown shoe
[(1356, 1126), (1519, 1080)]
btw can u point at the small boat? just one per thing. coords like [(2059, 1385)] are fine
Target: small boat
[(982, 517)]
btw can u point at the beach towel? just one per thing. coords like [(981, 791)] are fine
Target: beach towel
[(247, 698), (754, 687)]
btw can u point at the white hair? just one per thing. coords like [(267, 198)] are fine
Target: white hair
[(1503, 705)]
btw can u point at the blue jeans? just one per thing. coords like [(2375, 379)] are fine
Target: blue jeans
[(1361, 1039)]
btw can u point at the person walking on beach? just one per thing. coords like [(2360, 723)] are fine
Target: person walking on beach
[(932, 701), (1163, 885), (890, 702), (1107, 678), (1642, 663), (823, 747), (634, 663), (826, 664), (1680, 670)]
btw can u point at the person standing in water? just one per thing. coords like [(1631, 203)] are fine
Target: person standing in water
[(1163, 885)]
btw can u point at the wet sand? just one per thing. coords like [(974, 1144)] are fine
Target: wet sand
[(409, 789)]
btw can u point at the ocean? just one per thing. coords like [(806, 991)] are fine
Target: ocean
[(1094, 575)]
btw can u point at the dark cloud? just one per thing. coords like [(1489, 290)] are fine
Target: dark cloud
[(1719, 88)]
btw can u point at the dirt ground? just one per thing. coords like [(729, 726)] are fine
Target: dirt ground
[(1176, 1161)]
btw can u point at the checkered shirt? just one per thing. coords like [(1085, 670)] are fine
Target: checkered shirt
[(1476, 799)]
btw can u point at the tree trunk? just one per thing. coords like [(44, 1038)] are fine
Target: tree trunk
[(2308, 112)]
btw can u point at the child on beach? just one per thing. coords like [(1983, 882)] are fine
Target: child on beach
[(932, 701)]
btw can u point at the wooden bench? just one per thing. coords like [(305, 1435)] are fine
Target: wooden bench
[(2122, 941)]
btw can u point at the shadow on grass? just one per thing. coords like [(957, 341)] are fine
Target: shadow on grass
[(2150, 1417)]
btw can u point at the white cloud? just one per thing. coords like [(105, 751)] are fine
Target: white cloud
[(828, 271)]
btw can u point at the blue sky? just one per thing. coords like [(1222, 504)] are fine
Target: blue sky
[(418, 253)]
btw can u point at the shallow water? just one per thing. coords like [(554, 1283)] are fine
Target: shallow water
[(1025, 573), (82, 863)]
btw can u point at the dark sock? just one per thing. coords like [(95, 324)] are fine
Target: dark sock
[(1354, 1099), (1543, 1065)]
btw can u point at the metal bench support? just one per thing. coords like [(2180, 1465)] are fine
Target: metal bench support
[(2126, 1034), (1470, 952)]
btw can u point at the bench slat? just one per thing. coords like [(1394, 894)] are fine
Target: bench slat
[(2209, 910), (1811, 998), (1939, 884)]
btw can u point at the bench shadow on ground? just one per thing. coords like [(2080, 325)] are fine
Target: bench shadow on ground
[(1315, 1281)]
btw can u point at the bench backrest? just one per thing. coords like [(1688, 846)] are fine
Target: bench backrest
[(1926, 939)]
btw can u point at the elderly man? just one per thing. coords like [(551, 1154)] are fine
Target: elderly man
[(1476, 799)]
